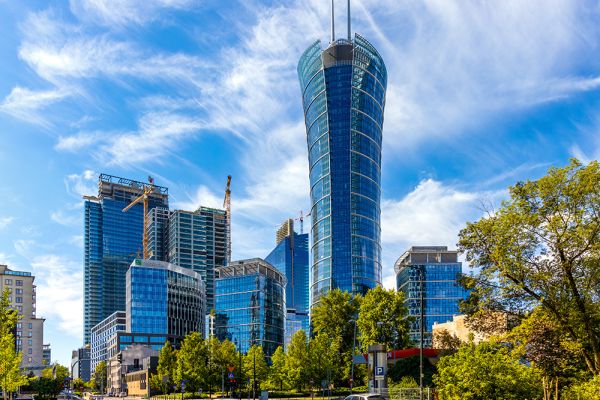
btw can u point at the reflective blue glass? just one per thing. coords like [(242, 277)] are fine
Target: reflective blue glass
[(343, 93)]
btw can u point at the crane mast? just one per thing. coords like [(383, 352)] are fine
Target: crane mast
[(143, 198)]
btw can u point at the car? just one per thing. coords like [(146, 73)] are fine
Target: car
[(365, 396)]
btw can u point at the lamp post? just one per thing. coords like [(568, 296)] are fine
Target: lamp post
[(422, 327), (353, 352)]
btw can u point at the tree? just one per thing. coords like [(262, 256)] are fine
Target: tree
[(56, 371), (409, 368), (99, 376), (277, 371), (192, 362), (164, 378), (589, 390), (485, 371), (255, 365), (222, 355), (324, 360), (297, 360), (78, 385), (542, 248), (11, 377), (333, 316), (47, 388), (382, 318)]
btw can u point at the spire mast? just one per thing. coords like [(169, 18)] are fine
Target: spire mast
[(332, 23), (349, 30)]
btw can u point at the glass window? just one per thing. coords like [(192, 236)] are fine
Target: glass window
[(19, 291), (19, 282), (19, 299), (8, 281), (30, 325)]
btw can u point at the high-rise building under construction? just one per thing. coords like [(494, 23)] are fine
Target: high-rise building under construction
[(112, 239), (343, 92)]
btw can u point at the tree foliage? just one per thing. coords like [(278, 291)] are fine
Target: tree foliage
[(326, 361), (485, 371), (164, 378), (255, 365), (277, 371), (333, 316), (542, 247), (56, 371), (297, 360), (11, 377), (382, 319), (192, 363), (99, 376)]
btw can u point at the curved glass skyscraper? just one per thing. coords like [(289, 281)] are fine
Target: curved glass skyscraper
[(343, 93)]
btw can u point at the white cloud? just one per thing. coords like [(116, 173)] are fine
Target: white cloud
[(430, 215), (28, 104), (78, 185), (59, 292), (5, 222), (124, 12), (66, 219), (77, 142)]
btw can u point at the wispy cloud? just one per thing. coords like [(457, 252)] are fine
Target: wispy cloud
[(59, 291), (85, 183), (5, 222), (26, 104)]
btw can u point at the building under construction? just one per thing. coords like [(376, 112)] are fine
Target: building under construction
[(112, 239)]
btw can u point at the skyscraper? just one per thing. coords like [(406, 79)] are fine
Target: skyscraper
[(290, 257), (112, 239), (343, 92), (430, 274)]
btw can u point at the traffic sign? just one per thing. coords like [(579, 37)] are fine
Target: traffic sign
[(379, 371), (231, 375)]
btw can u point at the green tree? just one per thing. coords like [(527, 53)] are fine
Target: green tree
[(589, 390), (56, 371), (297, 360), (11, 377), (542, 248), (485, 371), (99, 376), (324, 360), (222, 355), (277, 371), (382, 318), (192, 362), (47, 388), (255, 364), (164, 378), (78, 385)]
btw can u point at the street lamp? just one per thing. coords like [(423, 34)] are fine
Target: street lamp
[(353, 352)]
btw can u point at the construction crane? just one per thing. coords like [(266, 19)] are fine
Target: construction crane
[(227, 207), (301, 219), (148, 189)]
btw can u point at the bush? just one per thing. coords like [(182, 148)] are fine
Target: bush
[(589, 390)]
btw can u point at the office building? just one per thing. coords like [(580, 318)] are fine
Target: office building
[(29, 332), (250, 305), (157, 229), (343, 91), (198, 241), (164, 298), (429, 274), (46, 354), (81, 364), (497, 323), (127, 360), (112, 239), (103, 337), (290, 257)]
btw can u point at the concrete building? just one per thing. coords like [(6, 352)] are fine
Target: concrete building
[(497, 323), (81, 364), (138, 380), (29, 332), (103, 337), (250, 305), (343, 93), (428, 276), (290, 257), (112, 238), (127, 360)]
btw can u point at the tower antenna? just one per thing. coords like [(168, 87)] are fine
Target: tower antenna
[(349, 30), (332, 23)]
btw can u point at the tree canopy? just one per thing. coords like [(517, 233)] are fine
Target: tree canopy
[(542, 248)]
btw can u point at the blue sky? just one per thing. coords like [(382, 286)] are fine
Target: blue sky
[(480, 95)]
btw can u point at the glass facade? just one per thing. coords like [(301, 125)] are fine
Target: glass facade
[(290, 257), (112, 239), (198, 241), (250, 305), (434, 271), (165, 299), (102, 334), (343, 92)]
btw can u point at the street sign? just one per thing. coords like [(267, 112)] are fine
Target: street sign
[(379, 371), (230, 368), (231, 375)]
